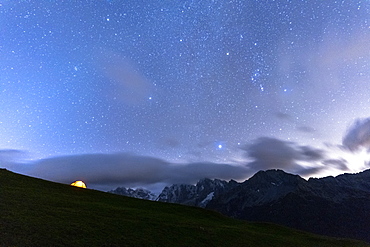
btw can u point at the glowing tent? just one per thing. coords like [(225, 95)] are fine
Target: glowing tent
[(79, 184)]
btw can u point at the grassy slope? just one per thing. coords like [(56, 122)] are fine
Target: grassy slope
[(35, 212)]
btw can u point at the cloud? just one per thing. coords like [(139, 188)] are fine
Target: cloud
[(11, 154), (106, 171), (101, 168), (310, 154), (128, 84), (289, 118), (338, 163), (358, 135), (170, 142), (193, 172), (324, 62), (13, 158), (283, 116), (308, 171), (269, 153), (305, 129)]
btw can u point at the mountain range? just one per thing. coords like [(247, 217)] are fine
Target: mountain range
[(334, 206), (36, 212)]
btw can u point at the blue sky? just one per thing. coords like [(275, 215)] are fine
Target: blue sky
[(185, 82)]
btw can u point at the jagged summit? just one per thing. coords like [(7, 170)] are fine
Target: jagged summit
[(274, 176), (195, 195), (136, 193)]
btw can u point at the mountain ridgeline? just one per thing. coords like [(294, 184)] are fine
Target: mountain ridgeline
[(334, 206)]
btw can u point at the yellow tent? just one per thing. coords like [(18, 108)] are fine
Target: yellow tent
[(79, 184)]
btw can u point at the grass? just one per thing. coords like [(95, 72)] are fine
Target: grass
[(35, 212)]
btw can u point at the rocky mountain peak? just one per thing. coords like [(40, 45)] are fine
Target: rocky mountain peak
[(195, 195), (274, 176), (136, 193), (185, 193)]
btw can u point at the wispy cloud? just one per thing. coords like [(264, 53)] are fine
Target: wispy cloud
[(358, 135), (131, 170), (272, 153)]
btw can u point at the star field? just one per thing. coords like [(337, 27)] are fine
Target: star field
[(183, 81)]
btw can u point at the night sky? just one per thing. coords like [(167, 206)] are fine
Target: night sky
[(148, 92)]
